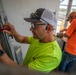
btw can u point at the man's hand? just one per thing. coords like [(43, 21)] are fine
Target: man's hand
[(10, 26), (60, 35), (63, 30)]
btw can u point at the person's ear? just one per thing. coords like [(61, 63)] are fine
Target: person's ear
[(50, 28)]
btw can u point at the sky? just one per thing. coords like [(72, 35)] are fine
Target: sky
[(65, 2)]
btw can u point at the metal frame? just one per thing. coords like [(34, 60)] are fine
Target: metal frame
[(68, 11)]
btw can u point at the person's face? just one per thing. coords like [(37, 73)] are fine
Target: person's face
[(39, 30), (71, 17)]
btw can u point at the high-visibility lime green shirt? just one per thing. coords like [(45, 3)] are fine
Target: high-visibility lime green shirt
[(42, 57)]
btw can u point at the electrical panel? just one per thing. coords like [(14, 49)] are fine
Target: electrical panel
[(14, 52)]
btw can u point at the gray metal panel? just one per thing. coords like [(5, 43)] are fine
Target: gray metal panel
[(18, 54), (5, 42)]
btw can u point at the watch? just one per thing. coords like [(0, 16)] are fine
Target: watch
[(2, 52)]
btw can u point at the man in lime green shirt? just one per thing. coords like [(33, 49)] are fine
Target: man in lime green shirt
[(44, 53), (43, 57)]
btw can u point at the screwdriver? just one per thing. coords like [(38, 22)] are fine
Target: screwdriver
[(7, 28)]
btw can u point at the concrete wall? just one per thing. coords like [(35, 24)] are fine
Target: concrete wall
[(16, 10), (1, 8)]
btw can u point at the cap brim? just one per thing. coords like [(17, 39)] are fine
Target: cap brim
[(31, 20)]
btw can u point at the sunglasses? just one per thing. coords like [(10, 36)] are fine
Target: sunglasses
[(36, 25)]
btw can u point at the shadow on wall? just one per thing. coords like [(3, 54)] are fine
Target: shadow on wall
[(8, 70)]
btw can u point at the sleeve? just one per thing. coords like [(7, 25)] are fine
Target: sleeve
[(45, 64), (71, 28), (30, 39)]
